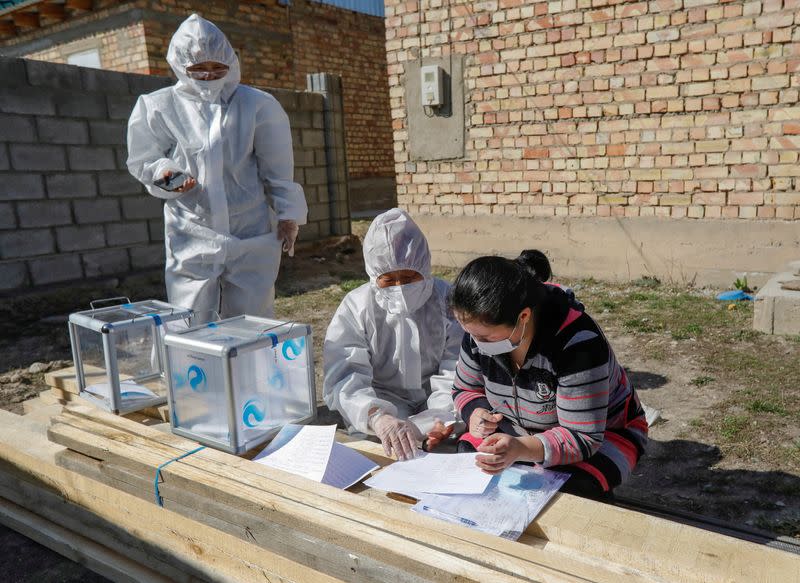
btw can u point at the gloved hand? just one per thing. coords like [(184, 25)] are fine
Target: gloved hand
[(397, 436), (287, 232)]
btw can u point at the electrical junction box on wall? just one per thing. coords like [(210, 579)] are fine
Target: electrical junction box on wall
[(432, 86)]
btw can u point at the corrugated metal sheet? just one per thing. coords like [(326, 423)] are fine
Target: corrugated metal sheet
[(373, 7)]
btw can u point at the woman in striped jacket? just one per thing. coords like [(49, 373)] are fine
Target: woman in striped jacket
[(537, 381)]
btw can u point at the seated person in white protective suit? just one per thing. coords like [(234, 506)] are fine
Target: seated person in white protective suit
[(229, 142), (391, 348)]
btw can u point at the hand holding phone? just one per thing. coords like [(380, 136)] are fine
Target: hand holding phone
[(175, 182)]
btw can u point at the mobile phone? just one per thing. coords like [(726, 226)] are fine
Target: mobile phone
[(172, 183)]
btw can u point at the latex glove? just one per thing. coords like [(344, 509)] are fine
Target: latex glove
[(287, 232), (398, 437)]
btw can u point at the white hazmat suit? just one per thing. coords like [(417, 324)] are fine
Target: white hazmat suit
[(222, 253), (395, 348)]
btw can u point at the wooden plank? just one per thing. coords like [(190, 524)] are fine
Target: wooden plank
[(27, 20), (461, 542), (76, 547), (613, 535), (301, 547), (265, 504), (220, 556)]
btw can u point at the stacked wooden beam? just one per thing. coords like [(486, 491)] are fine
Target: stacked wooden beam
[(63, 389), (367, 536)]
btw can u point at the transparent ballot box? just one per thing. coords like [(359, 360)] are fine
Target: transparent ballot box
[(118, 352), (234, 383)]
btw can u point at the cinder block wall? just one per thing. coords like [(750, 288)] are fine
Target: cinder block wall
[(70, 210)]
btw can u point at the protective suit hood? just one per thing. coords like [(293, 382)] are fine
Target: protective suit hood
[(394, 241), (196, 41)]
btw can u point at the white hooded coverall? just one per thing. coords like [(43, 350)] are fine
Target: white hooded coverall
[(400, 362), (221, 252)]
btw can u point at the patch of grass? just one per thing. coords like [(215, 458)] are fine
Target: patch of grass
[(765, 406), (688, 331), (607, 305), (647, 281), (702, 380), (349, 285), (747, 335), (732, 426), (642, 325)]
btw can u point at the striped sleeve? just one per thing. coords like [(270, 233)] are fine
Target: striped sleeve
[(581, 400), (469, 392)]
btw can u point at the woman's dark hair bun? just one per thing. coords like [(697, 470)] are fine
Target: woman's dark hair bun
[(536, 263)]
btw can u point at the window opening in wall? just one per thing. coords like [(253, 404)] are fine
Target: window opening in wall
[(90, 58)]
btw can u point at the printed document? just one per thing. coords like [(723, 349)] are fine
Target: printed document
[(305, 454), (436, 473)]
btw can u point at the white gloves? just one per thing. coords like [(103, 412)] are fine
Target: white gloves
[(287, 232), (397, 436)]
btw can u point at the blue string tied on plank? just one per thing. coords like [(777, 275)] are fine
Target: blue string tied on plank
[(159, 500)]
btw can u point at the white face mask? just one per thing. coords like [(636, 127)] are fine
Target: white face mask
[(405, 299), (208, 90), (500, 346)]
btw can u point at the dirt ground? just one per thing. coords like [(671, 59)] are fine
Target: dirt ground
[(727, 444)]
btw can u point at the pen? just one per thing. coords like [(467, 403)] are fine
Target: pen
[(460, 519)]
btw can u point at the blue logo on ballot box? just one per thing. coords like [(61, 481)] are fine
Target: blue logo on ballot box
[(254, 412), (293, 348), (197, 378)]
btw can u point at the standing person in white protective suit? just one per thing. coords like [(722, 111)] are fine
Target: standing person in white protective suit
[(391, 348), (223, 143)]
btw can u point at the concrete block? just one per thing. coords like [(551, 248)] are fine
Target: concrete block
[(120, 106), (14, 186), (17, 128), (5, 163), (26, 243), (56, 269), (42, 73), (108, 132), (120, 234), (13, 275), (318, 212), (156, 228), (139, 84), (91, 158), (37, 157), (303, 158), (12, 71), (26, 100), (55, 130), (119, 184), (106, 82), (312, 138), (287, 99), (301, 119), (121, 154), (147, 256), (73, 185), (777, 310), (80, 238), (96, 211), (45, 213), (142, 207), (107, 262), (316, 176), (80, 104), (310, 101), (8, 219)]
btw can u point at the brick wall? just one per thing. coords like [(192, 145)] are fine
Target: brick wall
[(70, 210), (278, 46), (667, 108)]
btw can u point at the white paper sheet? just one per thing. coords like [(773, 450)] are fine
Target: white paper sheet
[(511, 502), (127, 390), (437, 473), (307, 453)]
